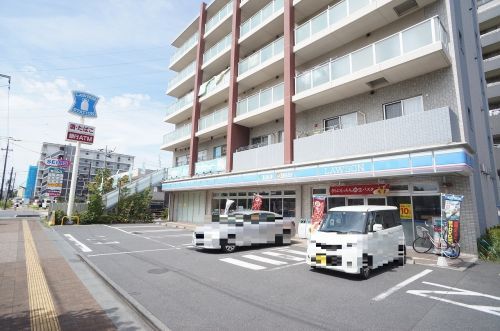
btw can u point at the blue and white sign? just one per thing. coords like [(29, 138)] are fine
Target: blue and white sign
[(84, 104)]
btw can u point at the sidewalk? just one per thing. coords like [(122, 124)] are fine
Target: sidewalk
[(460, 264), (38, 289)]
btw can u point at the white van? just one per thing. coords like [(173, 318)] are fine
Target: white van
[(357, 239)]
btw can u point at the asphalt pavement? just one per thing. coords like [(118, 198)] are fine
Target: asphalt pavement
[(271, 287)]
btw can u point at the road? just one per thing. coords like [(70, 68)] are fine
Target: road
[(20, 212), (272, 288)]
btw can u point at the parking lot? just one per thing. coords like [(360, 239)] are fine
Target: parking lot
[(271, 287)]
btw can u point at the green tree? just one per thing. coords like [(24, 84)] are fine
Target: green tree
[(102, 182)]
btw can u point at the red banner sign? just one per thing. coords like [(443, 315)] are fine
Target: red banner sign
[(365, 189), (318, 211), (257, 202)]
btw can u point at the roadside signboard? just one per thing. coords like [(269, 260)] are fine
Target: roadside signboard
[(80, 133), (55, 162), (405, 212), (362, 189), (54, 182), (84, 104)]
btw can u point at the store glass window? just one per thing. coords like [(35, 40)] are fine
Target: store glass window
[(406, 220), (319, 191), (242, 204), (289, 207), (277, 205), (335, 202), (426, 187)]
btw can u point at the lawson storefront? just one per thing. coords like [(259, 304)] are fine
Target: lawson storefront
[(413, 182)]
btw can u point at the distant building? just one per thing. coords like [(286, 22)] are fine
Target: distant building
[(90, 162), (30, 183)]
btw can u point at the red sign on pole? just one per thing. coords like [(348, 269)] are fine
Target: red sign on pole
[(80, 132), (364, 189)]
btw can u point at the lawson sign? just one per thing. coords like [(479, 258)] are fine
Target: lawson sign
[(84, 104)]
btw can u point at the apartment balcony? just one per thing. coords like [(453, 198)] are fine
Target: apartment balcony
[(262, 107), (215, 91), (178, 138), (492, 66), (180, 110), (185, 54), (219, 24), (210, 167), (182, 82), (413, 52), (259, 157), (305, 8), (217, 57), (487, 10), (341, 23), (423, 129), (212, 124), (261, 66), (495, 123), (490, 41), (493, 91), (262, 26), (178, 172)]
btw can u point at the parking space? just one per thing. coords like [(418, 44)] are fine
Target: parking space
[(159, 267)]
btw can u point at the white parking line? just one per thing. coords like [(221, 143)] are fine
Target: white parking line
[(173, 235), (132, 252), (138, 226), (393, 289), (148, 231), (133, 234), (264, 259), (283, 256), (78, 244), (243, 264)]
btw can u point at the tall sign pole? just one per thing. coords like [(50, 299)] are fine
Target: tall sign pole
[(84, 106)]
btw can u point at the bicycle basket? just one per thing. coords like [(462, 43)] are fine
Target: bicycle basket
[(421, 231)]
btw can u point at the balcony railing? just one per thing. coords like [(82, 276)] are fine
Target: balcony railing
[(186, 72), (211, 166), (260, 99), (182, 132), (181, 103), (264, 54), (217, 49), (217, 117), (259, 158), (327, 18), (256, 20), (226, 11), (406, 41), (215, 82), (178, 172), (193, 40)]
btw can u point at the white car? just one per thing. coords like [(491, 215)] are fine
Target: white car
[(244, 228), (357, 239)]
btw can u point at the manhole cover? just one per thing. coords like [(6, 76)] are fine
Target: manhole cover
[(157, 271)]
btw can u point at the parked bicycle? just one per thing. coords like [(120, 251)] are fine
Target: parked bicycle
[(424, 242)]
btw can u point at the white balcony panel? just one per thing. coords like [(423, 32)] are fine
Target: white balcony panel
[(491, 64), (493, 92), (210, 167), (212, 124), (180, 110), (495, 125), (262, 66), (216, 93), (182, 82), (259, 158), (251, 6), (184, 54), (488, 11), (178, 138), (490, 38), (306, 8), (262, 107), (256, 31), (413, 52), (427, 128), (326, 33), (219, 24), (217, 57)]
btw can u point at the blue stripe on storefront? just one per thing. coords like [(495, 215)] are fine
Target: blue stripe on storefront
[(397, 164)]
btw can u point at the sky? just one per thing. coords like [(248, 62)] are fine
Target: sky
[(118, 50)]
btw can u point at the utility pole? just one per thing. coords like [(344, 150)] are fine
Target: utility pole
[(5, 164), (8, 189)]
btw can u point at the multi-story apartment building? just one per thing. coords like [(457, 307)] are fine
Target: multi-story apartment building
[(489, 28), (90, 162), (296, 98)]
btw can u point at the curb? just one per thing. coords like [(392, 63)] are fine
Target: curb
[(148, 317)]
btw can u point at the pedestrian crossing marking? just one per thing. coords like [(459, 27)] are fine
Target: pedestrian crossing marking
[(291, 251), (264, 260), (243, 264), (283, 256)]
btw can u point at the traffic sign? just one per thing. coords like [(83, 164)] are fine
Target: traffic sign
[(80, 133)]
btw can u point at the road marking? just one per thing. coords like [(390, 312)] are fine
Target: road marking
[(457, 291), (43, 314), (106, 243), (286, 266), (291, 251), (78, 244), (133, 234), (243, 264), (399, 286), (138, 226), (149, 231), (283, 256), (132, 252), (264, 259), (173, 236)]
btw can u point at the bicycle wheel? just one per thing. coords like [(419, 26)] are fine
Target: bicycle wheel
[(453, 251), (422, 245)]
